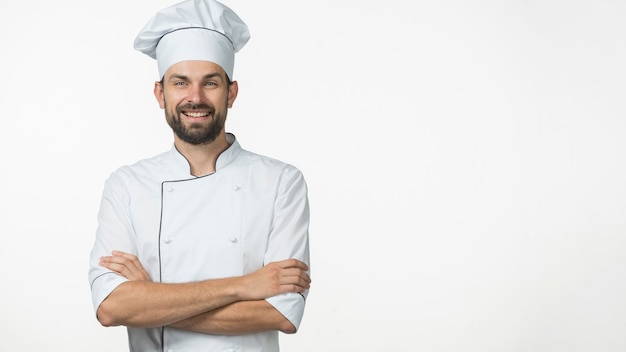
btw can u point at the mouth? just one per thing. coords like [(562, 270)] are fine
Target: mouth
[(196, 114)]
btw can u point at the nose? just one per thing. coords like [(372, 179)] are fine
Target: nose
[(194, 94)]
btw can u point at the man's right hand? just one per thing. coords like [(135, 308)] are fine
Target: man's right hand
[(126, 265)]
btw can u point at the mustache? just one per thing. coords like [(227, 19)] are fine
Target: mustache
[(191, 106)]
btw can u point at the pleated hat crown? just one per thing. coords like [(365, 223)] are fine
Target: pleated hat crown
[(204, 30)]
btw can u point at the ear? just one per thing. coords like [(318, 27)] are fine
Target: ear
[(158, 94), (233, 89)]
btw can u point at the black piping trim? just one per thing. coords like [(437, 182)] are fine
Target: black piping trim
[(159, 235), (193, 27), (159, 246), (99, 276), (161, 220), (163, 338)]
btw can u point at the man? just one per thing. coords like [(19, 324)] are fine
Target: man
[(203, 247)]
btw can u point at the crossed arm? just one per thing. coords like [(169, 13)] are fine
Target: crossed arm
[(228, 306)]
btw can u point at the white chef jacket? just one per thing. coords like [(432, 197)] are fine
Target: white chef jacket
[(252, 211)]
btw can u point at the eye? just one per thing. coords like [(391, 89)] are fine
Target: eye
[(180, 83), (210, 84)]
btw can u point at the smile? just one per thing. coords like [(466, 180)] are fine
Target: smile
[(196, 114)]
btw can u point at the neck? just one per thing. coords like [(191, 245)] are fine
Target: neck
[(202, 158)]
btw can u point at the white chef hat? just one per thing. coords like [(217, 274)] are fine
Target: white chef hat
[(204, 30)]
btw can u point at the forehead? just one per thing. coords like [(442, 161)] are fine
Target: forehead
[(194, 69)]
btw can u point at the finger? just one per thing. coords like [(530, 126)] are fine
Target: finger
[(293, 263), (118, 268), (294, 288), (123, 270), (107, 261), (126, 265), (129, 260), (302, 281), (115, 267), (291, 272), (123, 254), (117, 261)]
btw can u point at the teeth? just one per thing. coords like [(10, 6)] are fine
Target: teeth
[(197, 114)]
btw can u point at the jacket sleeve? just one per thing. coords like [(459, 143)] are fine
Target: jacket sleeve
[(114, 232), (289, 237)]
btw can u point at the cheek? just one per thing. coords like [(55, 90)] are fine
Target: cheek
[(169, 99)]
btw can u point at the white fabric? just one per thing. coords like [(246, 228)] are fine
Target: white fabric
[(253, 210), (195, 44), (193, 30)]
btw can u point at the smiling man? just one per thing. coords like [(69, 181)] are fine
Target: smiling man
[(204, 123), (203, 247)]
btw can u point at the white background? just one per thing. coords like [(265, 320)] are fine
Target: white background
[(465, 161)]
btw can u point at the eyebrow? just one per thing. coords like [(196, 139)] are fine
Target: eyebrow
[(186, 78)]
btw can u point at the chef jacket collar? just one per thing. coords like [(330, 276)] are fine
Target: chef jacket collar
[(223, 160)]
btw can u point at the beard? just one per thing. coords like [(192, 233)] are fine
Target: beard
[(196, 133)]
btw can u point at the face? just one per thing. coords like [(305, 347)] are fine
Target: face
[(196, 97)]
